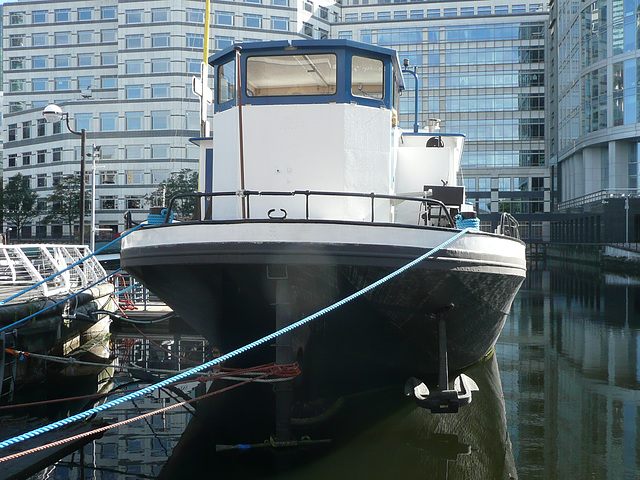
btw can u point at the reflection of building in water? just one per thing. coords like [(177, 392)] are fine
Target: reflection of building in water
[(569, 362)]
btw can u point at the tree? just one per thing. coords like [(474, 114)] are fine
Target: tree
[(184, 181), (20, 202), (65, 202)]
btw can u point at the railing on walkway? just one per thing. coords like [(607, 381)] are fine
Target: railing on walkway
[(598, 197), (22, 266)]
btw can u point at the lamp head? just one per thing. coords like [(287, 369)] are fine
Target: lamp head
[(52, 113), (406, 63)]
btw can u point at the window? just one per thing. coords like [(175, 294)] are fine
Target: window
[(109, 13), (133, 91), (294, 71), (195, 40), (41, 129), (159, 176), (484, 184), (17, 18), (85, 59), (108, 121), (280, 23), (160, 151), (384, 15), (159, 40), (134, 66), (17, 85), (56, 154), (308, 6), (39, 84), (39, 16), (433, 12), (192, 120), (16, 40), (16, 63), (324, 13), (42, 180), (519, 8), (504, 184), (85, 36), (17, 106), (108, 81), (26, 158), (345, 35), (160, 120), (367, 16), (160, 90), (13, 158), (160, 65), (63, 83), (109, 152), (280, 3), (416, 14), (486, 10), (108, 177), (62, 38), (62, 61), (39, 61), (39, 39), (85, 13), (109, 35), (193, 65), (42, 155), (224, 18), (133, 120), (223, 42), (226, 82), (134, 202), (195, 15), (133, 41), (254, 1), (307, 29), (109, 58), (450, 12), (537, 184), (134, 177), (134, 152), (26, 129), (159, 15), (501, 9), (56, 127), (62, 15), (400, 15), (252, 21), (323, 34), (367, 77), (85, 82), (133, 16), (351, 17), (108, 202)]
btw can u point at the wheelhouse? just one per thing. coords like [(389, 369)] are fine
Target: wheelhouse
[(307, 72)]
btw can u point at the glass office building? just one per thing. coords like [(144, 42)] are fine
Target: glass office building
[(123, 69), (594, 116)]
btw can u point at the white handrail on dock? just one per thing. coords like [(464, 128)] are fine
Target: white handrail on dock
[(22, 266)]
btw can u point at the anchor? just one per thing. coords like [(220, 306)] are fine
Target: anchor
[(443, 400)]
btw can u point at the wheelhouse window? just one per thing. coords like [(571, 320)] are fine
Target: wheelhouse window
[(311, 74), (226, 82), (367, 77)]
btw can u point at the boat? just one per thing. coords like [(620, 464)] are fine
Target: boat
[(310, 192)]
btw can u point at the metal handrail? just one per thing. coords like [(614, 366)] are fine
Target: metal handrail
[(508, 226), (308, 193)]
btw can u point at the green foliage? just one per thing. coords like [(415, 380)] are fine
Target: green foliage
[(19, 201), (65, 202), (184, 181)]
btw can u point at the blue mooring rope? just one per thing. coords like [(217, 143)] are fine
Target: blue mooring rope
[(2, 302), (227, 356), (46, 309)]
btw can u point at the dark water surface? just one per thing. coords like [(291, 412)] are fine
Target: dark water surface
[(559, 400)]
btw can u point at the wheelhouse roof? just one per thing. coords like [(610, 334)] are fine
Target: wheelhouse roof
[(278, 46)]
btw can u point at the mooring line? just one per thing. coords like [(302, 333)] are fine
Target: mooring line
[(227, 356)]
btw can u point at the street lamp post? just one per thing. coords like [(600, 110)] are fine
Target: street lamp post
[(95, 152), (53, 113)]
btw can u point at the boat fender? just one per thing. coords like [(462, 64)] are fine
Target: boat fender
[(275, 217)]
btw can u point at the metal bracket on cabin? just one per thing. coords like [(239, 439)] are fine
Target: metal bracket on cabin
[(443, 400), (275, 217)]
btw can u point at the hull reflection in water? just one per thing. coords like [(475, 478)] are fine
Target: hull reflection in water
[(408, 442)]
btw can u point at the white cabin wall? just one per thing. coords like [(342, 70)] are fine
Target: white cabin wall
[(285, 151)]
